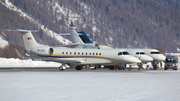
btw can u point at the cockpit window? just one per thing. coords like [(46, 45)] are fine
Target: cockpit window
[(155, 53), (123, 53), (120, 53), (142, 53), (126, 53)]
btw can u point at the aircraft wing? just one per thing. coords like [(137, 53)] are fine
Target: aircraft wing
[(70, 45), (66, 34), (64, 61)]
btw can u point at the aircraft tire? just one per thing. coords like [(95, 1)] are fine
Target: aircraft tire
[(111, 67), (60, 68), (154, 68), (78, 68)]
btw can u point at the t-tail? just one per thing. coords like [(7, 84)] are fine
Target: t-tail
[(74, 35), (28, 39), (84, 37)]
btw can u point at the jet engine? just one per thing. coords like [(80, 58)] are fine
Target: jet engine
[(42, 51)]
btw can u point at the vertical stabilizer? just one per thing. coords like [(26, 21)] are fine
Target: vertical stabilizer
[(28, 39), (74, 35)]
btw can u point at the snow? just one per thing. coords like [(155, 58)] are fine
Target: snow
[(58, 11), (12, 62), (151, 85), (3, 43), (90, 86), (95, 29)]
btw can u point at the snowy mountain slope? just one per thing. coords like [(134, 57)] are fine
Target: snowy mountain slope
[(119, 24), (3, 43), (49, 32)]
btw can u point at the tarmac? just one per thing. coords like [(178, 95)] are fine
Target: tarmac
[(56, 69)]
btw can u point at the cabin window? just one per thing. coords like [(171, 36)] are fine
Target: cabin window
[(82, 53), (93, 53), (96, 53), (86, 53), (89, 53), (99, 53), (62, 52), (70, 53), (125, 53), (66, 52), (78, 53), (74, 53), (120, 53)]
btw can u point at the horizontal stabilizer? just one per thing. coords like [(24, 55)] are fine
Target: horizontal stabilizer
[(21, 30)]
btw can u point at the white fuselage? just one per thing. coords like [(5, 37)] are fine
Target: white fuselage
[(153, 53), (90, 56), (141, 55)]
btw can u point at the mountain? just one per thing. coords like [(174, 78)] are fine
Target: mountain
[(117, 23)]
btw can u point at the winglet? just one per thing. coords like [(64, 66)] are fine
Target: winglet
[(17, 52)]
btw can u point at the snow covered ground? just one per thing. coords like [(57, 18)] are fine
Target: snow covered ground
[(86, 86), (90, 86), (12, 62)]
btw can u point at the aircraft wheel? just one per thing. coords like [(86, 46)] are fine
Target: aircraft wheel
[(155, 68), (78, 68), (111, 67), (129, 68), (61, 68)]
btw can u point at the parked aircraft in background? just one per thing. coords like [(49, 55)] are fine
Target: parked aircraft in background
[(74, 56), (79, 40), (145, 55)]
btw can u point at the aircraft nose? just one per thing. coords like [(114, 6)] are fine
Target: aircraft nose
[(163, 58), (147, 59), (150, 58), (135, 60)]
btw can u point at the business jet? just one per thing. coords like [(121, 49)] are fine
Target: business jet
[(74, 56), (145, 55), (83, 41), (79, 40), (155, 54)]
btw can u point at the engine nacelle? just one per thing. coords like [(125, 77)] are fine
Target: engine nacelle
[(42, 51)]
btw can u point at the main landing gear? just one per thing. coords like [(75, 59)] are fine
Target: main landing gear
[(62, 67), (140, 66), (79, 67)]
